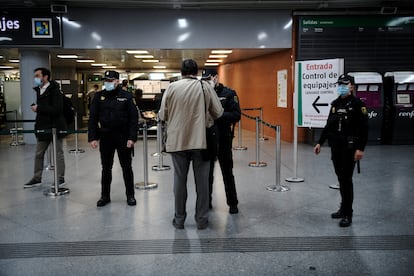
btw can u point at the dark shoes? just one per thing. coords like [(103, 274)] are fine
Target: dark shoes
[(177, 225), (337, 215), (234, 209), (102, 202), (131, 201), (61, 183), (32, 183), (202, 226), (345, 221)]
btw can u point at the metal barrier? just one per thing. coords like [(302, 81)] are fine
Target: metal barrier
[(239, 137), (278, 163), (261, 129), (145, 185), (257, 163), (76, 150), (55, 190), (160, 166), (49, 157), (15, 138)]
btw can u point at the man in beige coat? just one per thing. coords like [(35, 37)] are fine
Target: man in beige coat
[(188, 107)]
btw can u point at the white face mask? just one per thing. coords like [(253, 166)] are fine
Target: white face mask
[(109, 86)]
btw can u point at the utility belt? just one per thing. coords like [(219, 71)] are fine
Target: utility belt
[(340, 140)]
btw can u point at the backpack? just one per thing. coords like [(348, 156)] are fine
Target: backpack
[(68, 110)]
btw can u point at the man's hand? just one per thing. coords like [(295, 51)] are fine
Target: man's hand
[(130, 144), (94, 144), (34, 108), (358, 155), (317, 149)]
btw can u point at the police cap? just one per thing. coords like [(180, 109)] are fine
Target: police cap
[(208, 72), (111, 75), (346, 79)]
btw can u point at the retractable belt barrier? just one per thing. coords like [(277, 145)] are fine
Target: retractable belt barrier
[(277, 187), (261, 129), (145, 185), (159, 153), (76, 150)]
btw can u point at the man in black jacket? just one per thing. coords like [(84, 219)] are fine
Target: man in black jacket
[(224, 128), (347, 133), (49, 114), (113, 121)]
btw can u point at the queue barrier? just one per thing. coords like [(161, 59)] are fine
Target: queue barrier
[(145, 185), (160, 166), (76, 150), (261, 129), (277, 187)]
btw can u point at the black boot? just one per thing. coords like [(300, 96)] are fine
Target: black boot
[(131, 201), (345, 221), (103, 201)]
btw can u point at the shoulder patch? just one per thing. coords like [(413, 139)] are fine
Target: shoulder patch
[(102, 98), (236, 99), (333, 109), (364, 110)]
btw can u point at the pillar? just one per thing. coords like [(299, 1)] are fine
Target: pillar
[(30, 59)]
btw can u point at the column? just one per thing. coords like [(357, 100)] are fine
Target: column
[(30, 59)]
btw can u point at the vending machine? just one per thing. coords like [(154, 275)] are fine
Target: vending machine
[(369, 88), (402, 97)]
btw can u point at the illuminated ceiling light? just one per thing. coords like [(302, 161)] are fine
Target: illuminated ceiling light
[(222, 51), (183, 37), (133, 52), (71, 23), (159, 67), (6, 67), (98, 64), (218, 56), (14, 60), (67, 56), (288, 25), (1, 57), (109, 67), (262, 36), (96, 36), (214, 60), (150, 60), (143, 56), (182, 23), (85, 60), (210, 64)]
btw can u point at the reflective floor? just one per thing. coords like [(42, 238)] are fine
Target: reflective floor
[(288, 233)]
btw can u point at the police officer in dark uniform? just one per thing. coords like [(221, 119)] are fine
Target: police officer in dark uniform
[(347, 133), (225, 133), (113, 121)]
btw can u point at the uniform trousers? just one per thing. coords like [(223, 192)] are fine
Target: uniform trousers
[(108, 144), (225, 158), (181, 162), (41, 148), (344, 164)]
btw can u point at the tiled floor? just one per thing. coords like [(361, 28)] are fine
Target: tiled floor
[(383, 207)]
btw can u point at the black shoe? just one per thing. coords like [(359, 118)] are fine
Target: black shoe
[(32, 183), (176, 225), (202, 226), (345, 221), (234, 209), (102, 202), (131, 201), (337, 215), (61, 183)]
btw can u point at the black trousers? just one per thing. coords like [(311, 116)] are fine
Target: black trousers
[(108, 144), (225, 158), (344, 164)]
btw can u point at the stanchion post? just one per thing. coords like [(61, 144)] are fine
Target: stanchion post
[(239, 137), (15, 139), (145, 185), (55, 190), (76, 150), (161, 166), (295, 177), (277, 187), (262, 138), (257, 163)]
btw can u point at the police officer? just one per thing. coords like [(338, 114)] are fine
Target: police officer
[(347, 131), (224, 128), (113, 122)]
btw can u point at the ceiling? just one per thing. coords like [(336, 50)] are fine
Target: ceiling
[(216, 4), (127, 62)]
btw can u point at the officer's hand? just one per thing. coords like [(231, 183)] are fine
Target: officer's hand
[(130, 144), (317, 149), (34, 107), (358, 155), (94, 144)]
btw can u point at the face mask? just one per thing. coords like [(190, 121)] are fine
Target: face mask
[(109, 86), (37, 81), (343, 90)]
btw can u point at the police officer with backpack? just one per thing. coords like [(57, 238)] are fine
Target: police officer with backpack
[(225, 130), (113, 123), (347, 133)]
